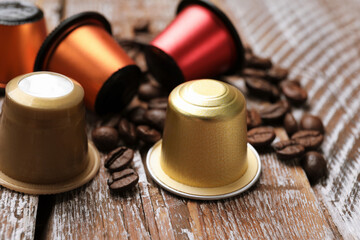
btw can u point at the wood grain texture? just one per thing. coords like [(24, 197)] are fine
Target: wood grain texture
[(319, 39), (281, 205), (17, 215)]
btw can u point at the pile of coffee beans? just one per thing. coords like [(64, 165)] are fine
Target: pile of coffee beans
[(270, 83), (140, 125)]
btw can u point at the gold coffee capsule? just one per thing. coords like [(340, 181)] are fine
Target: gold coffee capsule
[(43, 143), (204, 152)]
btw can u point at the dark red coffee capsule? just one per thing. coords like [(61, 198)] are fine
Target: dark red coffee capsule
[(82, 48), (200, 42)]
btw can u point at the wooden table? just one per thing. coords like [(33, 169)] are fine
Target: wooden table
[(319, 41)]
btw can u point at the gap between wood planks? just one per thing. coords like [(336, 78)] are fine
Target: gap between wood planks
[(45, 207)]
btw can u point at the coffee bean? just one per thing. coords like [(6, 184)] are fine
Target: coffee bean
[(105, 138), (253, 61), (123, 180), (149, 91), (293, 92), (156, 118), (262, 88), (261, 136), (158, 103), (147, 134), (253, 119), (136, 115), (290, 124), (248, 50), (311, 122), (295, 81), (314, 166), (288, 149), (310, 139), (274, 112), (141, 26), (251, 72), (276, 74), (119, 158), (127, 131), (110, 120)]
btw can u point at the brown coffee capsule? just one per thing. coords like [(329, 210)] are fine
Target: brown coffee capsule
[(43, 143)]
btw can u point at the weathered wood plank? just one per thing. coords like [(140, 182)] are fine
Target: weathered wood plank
[(321, 38), (17, 215)]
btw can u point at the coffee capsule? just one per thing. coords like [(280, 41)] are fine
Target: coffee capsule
[(22, 31), (82, 48), (200, 42), (43, 142), (204, 152)]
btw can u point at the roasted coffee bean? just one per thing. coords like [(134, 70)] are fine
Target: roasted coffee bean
[(149, 91), (105, 138), (276, 74), (290, 124), (253, 119), (293, 92), (311, 122), (251, 72), (158, 103), (127, 131), (253, 61), (156, 118), (110, 120), (274, 112), (123, 180), (141, 26), (248, 50), (295, 81), (136, 115), (314, 166), (288, 149), (310, 139), (147, 134), (261, 136), (262, 88), (119, 158)]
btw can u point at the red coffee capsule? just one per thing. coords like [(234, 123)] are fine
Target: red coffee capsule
[(82, 48), (200, 42), (22, 31)]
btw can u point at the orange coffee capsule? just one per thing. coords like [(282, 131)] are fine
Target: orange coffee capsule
[(82, 48), (22, 31)]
